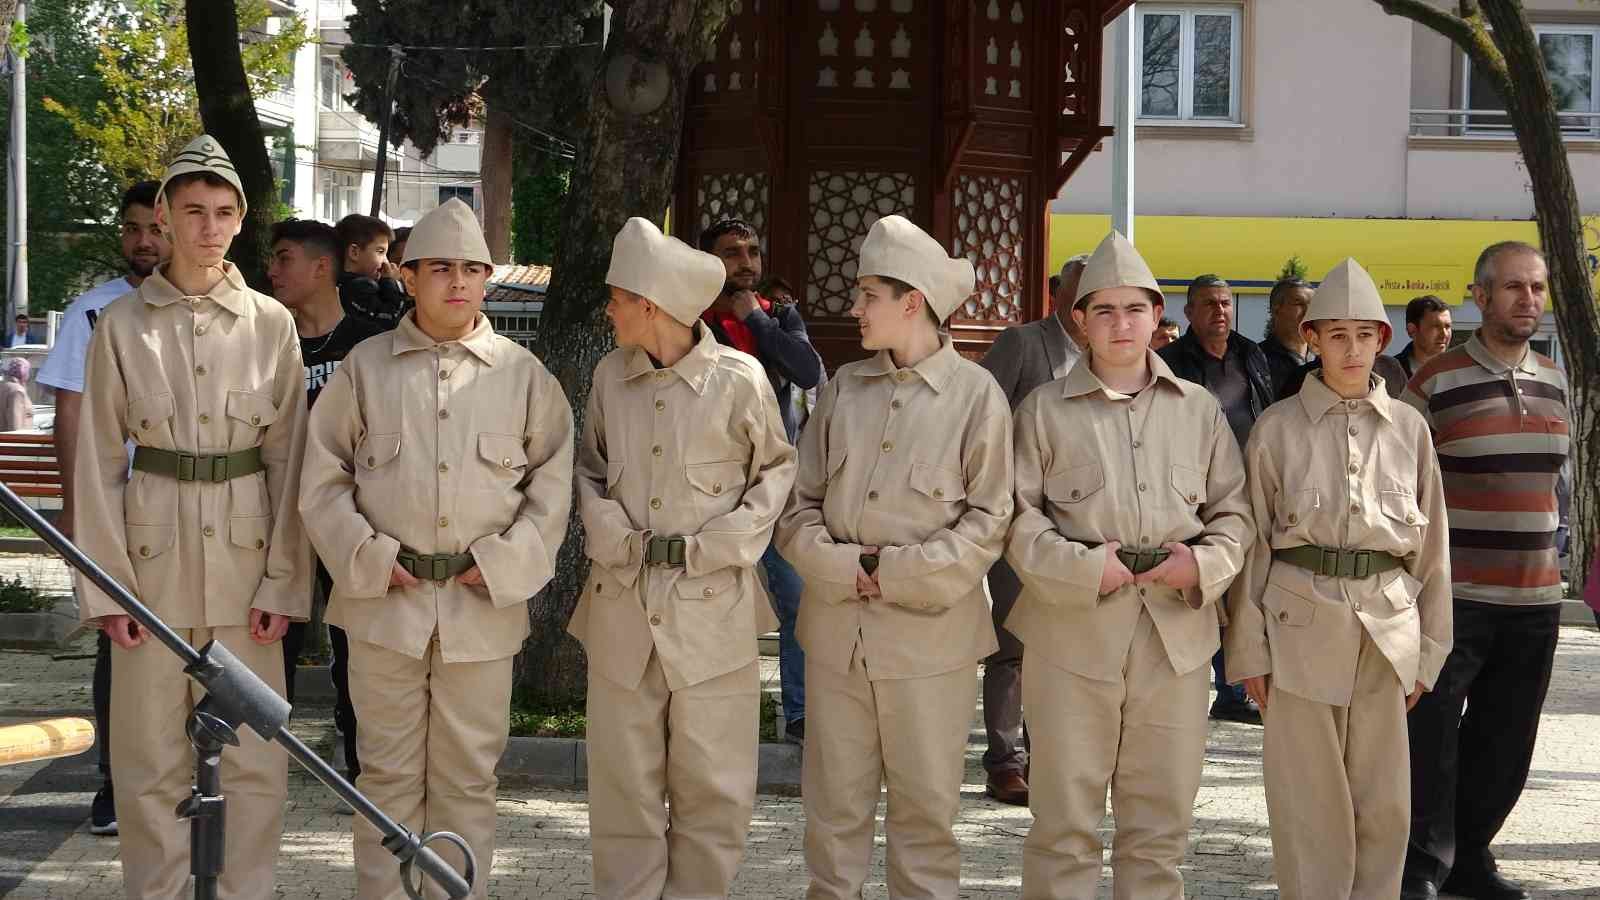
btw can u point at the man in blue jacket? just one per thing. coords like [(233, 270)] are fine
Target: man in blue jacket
[(775, 334)]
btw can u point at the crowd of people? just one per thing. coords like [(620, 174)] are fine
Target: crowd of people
[(1110, 518)]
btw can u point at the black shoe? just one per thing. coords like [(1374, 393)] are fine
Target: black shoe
[(1482, 886), (1228, 709), (1412, 888), (103, 812), (795, 732)]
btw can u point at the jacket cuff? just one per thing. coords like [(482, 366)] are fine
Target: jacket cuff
[(1216, 574), (276, 595), (513, 571), (370, 569), (1430, 661)]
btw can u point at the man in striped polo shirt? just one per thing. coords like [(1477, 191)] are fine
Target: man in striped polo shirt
[(1499, 416)]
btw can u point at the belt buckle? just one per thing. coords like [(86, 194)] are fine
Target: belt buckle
[(219, 468), (655, 552), (1329, 564), (186, 467), (440, 567), (1362, 566)]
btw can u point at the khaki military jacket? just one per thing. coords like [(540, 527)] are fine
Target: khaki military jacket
[(461, 446), (915, 461), (211, 374), (1094, 466), (1352, 474), (696, 451)]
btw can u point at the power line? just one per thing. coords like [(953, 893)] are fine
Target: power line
[(477, 49), (564, 149)]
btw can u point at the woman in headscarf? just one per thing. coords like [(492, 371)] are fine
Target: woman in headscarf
[(16, 409)]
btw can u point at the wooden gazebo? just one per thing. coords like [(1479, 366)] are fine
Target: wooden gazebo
[(816, 117)]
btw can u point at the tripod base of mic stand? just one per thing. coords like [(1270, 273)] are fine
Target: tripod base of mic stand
[(207, 808)]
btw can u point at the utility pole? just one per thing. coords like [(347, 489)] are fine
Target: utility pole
[(395, 55), (1125, 89), (17, 222)]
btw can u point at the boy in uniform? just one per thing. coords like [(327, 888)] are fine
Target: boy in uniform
[(1342, 617), (437, 488), (900, 509), (202, 374), (682, 472), (1132, 520)]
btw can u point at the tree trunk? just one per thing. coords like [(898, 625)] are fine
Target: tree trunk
[(1531, 105), (495, 170), (624, 168), (229, 115)]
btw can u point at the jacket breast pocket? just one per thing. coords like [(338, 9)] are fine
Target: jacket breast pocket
[(938, 483), (1287, 609), (1297, 507), (1400, 507), (155, 566), (250, 412), (1074, 485), (374, 456), (150, 421), (717, 486), (504, 460), (1189, 485), (712, 596)]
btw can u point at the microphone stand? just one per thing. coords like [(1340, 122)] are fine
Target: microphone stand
[(237, 696)]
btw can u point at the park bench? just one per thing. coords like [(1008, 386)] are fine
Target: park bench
[(28, 464)]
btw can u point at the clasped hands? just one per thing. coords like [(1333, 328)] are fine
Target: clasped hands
[(1178, 571)]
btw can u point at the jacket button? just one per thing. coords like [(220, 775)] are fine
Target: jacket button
[(709, 593), (599, 588), (199, 330), (443, 468), (1293, 519), (1357, 606), (1136, 445), (656, 450), (1194, 498), (655, 620), (1355, 507), (716, 488), (661, 405), (144, 551), (1283, 617), (444, 374), (144, 424), (200, 369), (1411, 520), (444, 521), (204, 419), (505, 463), (655, 502), (438, 582), (872, 495), (444, 413), (1354, 468), (1077, 494), (888, 446), (1141, 485), (208, 531), (896, 404), (1354, 431), (255, 420), (260, 543), (372, 460), (938, 493)]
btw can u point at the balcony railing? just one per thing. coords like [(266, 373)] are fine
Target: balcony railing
[(1478, 124)]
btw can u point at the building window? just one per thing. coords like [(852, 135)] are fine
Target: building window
[(1189, 61), (1573, 63), (464, 193), (341, 194), (334, 84)]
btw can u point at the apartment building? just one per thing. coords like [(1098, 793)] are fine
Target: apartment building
[(326, 153), (1325, 128)]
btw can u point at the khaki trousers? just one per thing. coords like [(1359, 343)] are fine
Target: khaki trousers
[(1339, 787), (431, 734), (1144, 736), (672, 782), (908, 733), (152, 765)]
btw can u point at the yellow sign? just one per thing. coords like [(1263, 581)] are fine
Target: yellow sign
[(1407, 257)]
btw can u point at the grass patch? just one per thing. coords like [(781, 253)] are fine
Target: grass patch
[(17, 597), (15, 531), (532, 720)]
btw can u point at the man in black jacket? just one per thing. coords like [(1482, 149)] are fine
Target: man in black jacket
[(1283, 345), (1235, 371), (775, 334), (369, 285)]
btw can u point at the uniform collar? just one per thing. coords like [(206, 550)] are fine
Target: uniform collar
[(1481, 355), (1317, 399), (695, 368), (479, 341), (227, 293), (935, 370), (1082, 379)]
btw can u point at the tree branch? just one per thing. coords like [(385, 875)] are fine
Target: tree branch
[(1446, 23), (1468, 30)]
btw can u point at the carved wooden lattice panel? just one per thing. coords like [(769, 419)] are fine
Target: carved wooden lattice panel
[(1001, 74), (843, 207), (732, 73), (872, 46), (732, 195), (1077, 81), (989, 214)]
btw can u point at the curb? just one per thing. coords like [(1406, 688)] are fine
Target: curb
[(50, 630), (1576, 612)]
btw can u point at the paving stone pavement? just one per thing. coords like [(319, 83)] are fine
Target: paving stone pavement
[(1551, 843)]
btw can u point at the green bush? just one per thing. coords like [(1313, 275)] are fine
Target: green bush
[(17, 597)]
